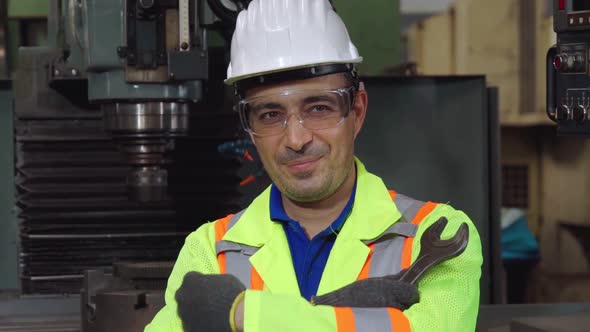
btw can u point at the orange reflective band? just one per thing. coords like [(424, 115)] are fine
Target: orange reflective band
[(407, 251), (220, 230), (365, 271), (423, 212), (392, 193), (221, 227), (344, 319), (256, 282), (221, 263), (399, 321)]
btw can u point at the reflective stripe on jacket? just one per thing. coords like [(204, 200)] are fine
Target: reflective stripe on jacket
[(380, 237), (384, 259)]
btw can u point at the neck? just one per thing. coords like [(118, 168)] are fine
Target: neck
[(317, 216)]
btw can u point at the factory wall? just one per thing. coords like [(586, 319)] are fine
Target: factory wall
[(506, 39), (565, 274)]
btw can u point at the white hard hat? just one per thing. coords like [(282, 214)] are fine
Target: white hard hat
[(281, 35)]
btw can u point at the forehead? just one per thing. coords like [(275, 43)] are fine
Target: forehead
[(333, 81)]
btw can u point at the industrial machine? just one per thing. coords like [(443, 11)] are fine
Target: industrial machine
[(568, 71), (118, 124), (146, 69), (568, 82)]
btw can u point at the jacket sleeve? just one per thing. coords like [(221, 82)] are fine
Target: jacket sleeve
[(197, 254), (265, 312), (449, 295)]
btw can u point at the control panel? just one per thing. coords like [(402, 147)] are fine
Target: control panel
[(568, 72)]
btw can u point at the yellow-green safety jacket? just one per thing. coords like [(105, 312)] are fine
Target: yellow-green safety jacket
[(380, 237)]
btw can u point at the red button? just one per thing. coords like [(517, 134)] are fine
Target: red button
[(561, 4), (557, 62)]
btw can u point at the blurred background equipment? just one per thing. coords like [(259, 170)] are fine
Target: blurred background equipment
[(146, 70), (568, 80), (568, 100), (117, 120), (126, 300), (544, 176), (141, 78)]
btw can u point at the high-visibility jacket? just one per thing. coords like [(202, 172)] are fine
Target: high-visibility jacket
[(380, 237)]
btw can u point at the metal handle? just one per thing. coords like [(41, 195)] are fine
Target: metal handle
[(75, 8), (184, 41), (550, 93)]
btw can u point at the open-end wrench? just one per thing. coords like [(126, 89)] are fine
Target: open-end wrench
[(433, 250)]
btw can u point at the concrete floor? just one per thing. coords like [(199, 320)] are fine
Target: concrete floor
[(39, 313)]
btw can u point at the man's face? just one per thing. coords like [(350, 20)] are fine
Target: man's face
[(310, 165)]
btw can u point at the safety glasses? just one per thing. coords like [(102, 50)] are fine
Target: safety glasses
[(314, 109)]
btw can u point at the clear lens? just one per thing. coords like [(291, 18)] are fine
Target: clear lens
[(314, 109)]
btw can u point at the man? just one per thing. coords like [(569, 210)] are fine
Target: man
[(322, 248)]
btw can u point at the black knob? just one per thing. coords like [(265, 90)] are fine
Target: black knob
[(579, 113), (147, 4), (563, 113), (578, 62)]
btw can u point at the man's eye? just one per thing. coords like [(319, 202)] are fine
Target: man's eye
[(268, 115), (319, 109)]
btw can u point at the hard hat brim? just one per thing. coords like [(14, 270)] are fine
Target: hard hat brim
[(234, 80)]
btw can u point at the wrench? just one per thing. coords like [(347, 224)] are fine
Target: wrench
[(433, 250)]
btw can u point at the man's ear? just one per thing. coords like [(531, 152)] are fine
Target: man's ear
[(359, 108), (252, 138)]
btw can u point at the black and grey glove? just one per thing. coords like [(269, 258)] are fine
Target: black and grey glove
[(205, 301), (379, 292)]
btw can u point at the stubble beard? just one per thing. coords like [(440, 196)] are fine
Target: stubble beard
[(328, 181)]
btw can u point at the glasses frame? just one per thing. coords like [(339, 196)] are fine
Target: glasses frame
[(350, 91)]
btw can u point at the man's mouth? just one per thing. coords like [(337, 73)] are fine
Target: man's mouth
[(302, 165)]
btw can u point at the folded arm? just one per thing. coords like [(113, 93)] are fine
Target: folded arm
[(449, 294), (449, 298)]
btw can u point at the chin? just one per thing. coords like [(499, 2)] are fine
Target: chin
[(305, 198), (308, 194)]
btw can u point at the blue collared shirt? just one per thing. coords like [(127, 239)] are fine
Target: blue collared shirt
[(309, 256)]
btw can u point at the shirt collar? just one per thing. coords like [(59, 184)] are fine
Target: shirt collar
[(277, 210)]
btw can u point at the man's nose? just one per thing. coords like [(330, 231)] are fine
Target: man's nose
[(296, 135)]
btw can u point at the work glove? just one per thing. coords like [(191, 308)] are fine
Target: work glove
[(205, 301), (379, 292)]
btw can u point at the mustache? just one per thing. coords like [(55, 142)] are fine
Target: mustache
[(311, 151)]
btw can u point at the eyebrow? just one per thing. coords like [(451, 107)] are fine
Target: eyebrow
[(314, 99), (277, 106), (270, 105)]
